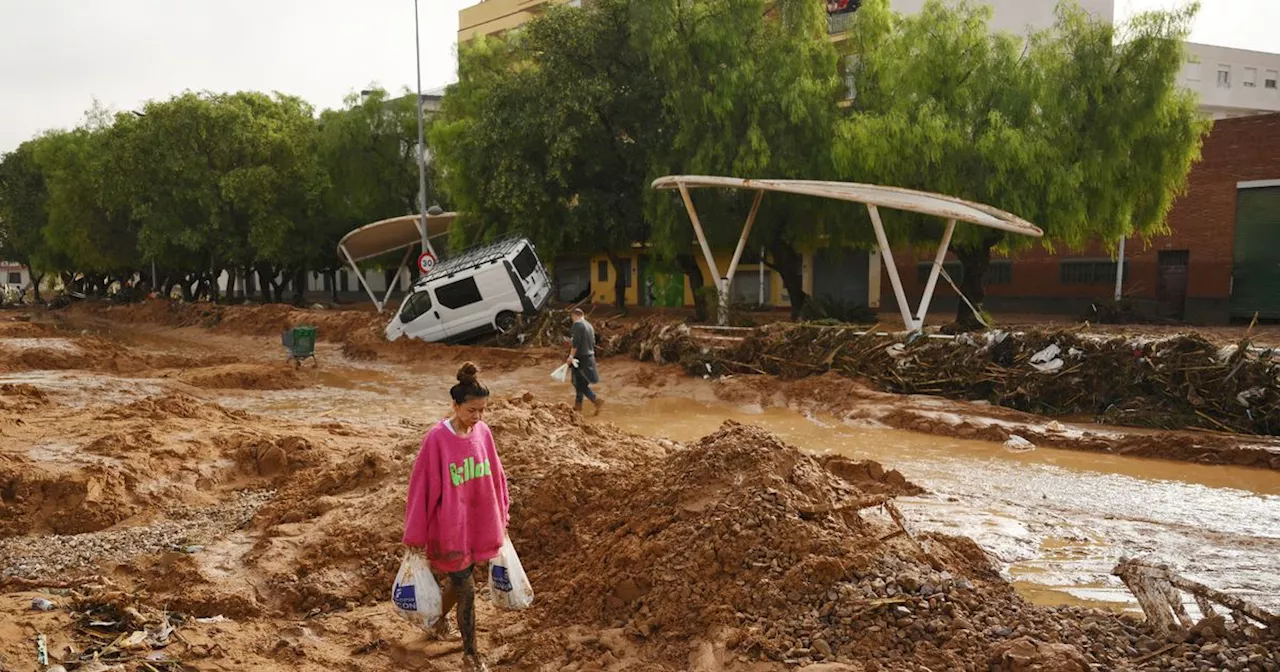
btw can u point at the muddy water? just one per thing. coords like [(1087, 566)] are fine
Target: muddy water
[(1058, 520)]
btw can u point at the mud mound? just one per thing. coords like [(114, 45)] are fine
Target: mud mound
[(21, 397), (736, 529), (12, 328), (263, 320), (89, 353), (244, 377), (35, 500), (174, 405)]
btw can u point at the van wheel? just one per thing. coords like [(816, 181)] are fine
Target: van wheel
[(505, 321)]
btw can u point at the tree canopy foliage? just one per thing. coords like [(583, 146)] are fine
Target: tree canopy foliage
[(202, 184), (1080, 128), (555, 132)]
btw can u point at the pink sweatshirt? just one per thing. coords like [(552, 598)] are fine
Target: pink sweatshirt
[(457, 508)]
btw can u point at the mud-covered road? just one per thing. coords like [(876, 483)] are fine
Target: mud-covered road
[(145, 451)]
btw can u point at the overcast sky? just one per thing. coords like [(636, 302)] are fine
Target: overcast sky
[(57, 56)]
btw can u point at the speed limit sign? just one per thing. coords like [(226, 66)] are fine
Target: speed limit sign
[(426, 262)]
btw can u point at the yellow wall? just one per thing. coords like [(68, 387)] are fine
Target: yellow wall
[(492, 17), (602, 292)]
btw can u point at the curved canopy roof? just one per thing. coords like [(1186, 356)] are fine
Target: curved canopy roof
[(389, 235), (925, 203)]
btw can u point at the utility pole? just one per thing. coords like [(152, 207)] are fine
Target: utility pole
[(422, 164)]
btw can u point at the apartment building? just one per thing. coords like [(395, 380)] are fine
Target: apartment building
[(1233, 82)]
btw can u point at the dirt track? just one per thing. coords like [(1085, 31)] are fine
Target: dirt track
[(190, 471)]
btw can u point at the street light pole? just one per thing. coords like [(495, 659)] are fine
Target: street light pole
[(422, 164)]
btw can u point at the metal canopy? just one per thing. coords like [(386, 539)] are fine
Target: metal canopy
[(874, 197), (390, 235)]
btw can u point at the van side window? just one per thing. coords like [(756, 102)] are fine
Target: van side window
[(525, 263), (457, 294), (415, 306)]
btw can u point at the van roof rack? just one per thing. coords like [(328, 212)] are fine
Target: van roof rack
[(475, 256)]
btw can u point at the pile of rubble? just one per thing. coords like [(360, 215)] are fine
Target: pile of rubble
[(1168, 383)]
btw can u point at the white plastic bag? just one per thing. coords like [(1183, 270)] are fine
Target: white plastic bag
[(415, 593), (561, 375), (509, 586)]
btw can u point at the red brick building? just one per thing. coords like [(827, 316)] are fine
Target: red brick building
[(1220, 262)]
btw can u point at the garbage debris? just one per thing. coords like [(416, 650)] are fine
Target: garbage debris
[(1175, 382), (41, 604)]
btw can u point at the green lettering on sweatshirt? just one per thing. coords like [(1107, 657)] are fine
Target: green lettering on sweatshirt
[(468, 471)]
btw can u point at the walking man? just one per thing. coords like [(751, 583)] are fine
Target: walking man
[(582, 360)]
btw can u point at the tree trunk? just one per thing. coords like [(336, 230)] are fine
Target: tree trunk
[(619, 282), (189, 288), (264, 282), (215, 292), (299, 287), (689, 266), (974, 262), (331, 277), (231, 285), (35, 286), (790, 265)]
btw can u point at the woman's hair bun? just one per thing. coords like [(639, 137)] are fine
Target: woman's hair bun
[(467, 373)]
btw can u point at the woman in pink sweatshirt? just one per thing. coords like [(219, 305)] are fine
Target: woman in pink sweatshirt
[(457, 509)]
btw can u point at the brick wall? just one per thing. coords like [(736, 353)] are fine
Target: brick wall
[(1202, 222)]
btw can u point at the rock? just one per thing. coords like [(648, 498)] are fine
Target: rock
[(822, 647), (1027, 654)]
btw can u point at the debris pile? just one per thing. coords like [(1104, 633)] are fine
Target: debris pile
[(1168, 383), (778, 556)]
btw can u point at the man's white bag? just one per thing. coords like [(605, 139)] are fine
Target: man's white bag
[(561, 374), (509, 586), (415, 592)]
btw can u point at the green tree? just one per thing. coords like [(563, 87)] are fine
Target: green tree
[(1081, 129), (549, 134), (226, 182), (367, 151), (752, 88), (22, 215), (90, 223)]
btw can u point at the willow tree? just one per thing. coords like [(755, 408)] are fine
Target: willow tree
[(752, 88), (1081, 129), (548, 133)]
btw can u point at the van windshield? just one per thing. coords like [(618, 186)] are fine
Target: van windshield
[(415, 306), (525, 262)]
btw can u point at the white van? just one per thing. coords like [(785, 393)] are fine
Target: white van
[(478, 292)]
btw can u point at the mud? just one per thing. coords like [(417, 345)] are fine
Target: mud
[(274, 498)]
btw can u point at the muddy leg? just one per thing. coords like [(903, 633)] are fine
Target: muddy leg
[(448, 598), (464, 589)]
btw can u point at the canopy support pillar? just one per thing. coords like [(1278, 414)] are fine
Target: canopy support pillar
[(391, 286), (360, 278), (883, 241), (929, 286), (722, 314)]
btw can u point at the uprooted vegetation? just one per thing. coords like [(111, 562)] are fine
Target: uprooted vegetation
[(1168, 383)]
